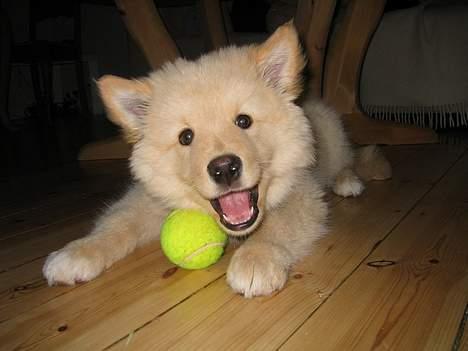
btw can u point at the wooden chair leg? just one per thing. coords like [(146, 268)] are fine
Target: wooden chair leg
[(346, 53), (313, 21), (357, 21), (302, 18), (213, 24), (144, 23)]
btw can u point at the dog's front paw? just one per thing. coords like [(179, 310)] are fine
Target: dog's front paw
[(75, 263), (258, 269), (348, 184)]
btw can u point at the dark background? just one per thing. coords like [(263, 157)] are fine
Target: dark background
[(49, 108)]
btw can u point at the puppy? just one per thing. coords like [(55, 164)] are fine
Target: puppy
[(223, 134)]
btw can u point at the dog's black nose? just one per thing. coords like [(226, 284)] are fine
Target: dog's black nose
[(225, 169)]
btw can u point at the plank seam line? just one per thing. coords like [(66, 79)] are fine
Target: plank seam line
[(374, 247), (20, 210), (461, 330), (40, 257), (14, 234), (164, 312), (4, 270), (72, 287), (52, 201), (97, 211)]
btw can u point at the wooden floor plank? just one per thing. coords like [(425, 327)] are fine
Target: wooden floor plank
[(417, 299), (27, 289), (124, 298), (462, 342), (52, 212), (59, 186), (213, 300), (264, 323), (136, 303), (15, 251)]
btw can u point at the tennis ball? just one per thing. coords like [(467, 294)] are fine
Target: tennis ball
[(192, 239)]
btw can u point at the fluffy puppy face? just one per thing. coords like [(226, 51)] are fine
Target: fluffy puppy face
[(222, 133)]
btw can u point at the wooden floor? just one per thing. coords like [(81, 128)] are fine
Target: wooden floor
[(391, 275)]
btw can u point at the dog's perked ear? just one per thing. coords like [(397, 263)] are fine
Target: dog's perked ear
[(280, 61), (127, 102)]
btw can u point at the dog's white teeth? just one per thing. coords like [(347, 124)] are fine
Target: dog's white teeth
[(240, 220), (227, 219)]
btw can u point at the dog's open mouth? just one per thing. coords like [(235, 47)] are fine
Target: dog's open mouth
[(238, 209)]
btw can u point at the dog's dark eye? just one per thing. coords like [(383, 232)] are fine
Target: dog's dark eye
[(186, 137), (243, 121)]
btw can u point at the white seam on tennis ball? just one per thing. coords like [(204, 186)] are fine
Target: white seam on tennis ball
[(199, 250)]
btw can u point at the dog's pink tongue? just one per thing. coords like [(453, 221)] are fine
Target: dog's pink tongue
[(236, 207)]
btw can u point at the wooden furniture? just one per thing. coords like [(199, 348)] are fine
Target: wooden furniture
[(144, 23), (335, 57), (336, 54), (313, 22), (213, 24)]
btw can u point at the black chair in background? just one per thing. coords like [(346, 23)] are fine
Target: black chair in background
[(41, 55)]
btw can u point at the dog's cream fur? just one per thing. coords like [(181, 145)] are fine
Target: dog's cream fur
[(289, 156)]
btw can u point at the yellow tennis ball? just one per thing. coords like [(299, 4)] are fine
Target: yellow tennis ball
[(192, 239)]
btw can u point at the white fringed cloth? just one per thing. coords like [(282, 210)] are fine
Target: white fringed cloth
[(416, 68)]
